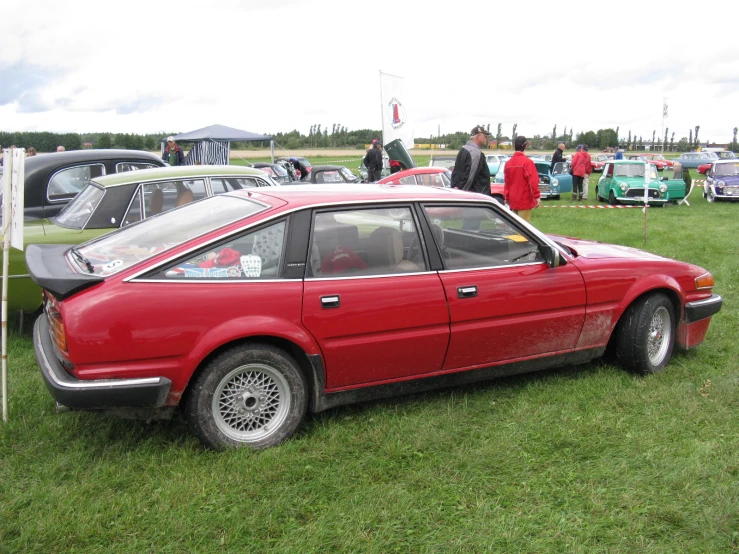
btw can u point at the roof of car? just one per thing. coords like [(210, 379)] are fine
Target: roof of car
[(176, 172), (318, 168), (726, 161), (309, 195)]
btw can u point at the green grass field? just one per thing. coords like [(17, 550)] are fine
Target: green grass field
[(576, 460)]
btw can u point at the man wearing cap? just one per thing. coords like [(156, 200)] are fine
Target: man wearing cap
[(373, 161), (470, 169), (521, 181), (173, 154)]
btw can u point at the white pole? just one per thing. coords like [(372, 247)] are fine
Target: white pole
[(7, 206)]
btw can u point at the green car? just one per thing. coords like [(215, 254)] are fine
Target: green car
[(622, 182), (113, 201)]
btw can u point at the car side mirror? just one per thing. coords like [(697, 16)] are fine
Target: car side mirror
[(551, 256), (663, 179)]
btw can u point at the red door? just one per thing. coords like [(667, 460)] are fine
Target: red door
[(376, 329), (514, 312)]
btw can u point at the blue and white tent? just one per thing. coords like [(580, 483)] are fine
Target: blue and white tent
[(212, 145)]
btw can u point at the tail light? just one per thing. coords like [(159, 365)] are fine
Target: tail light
[(56, 324)]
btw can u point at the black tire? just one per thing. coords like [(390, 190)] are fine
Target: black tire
[(251, 395), (597, 194), (612, 199), (555, 197), (645, 336)]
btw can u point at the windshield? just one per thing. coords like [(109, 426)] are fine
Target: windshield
[(634, 170), (348, 174), (76, 214), (726, 169), (542, 169), (442, 162), (128, 246)]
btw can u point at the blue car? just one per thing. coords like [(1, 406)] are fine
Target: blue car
[(722, 181), (691, 160), (551, 183), (494, 162)]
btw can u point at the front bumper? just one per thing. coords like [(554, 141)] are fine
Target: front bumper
[(703, 309), (95, 394)]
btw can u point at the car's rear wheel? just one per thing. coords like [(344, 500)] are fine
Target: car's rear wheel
[(645, 336), (251, 395), (612, 199)]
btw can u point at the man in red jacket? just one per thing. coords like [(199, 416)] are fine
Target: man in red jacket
[(521, 181), (582, 166)]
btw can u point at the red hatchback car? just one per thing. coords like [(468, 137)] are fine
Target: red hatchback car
[(247, 309)]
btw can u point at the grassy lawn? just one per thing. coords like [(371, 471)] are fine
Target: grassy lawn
[(579, 459)]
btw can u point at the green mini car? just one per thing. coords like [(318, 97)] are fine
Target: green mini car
[(623, 181), (113, 201)]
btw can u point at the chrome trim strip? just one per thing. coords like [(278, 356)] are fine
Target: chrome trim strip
[(488, 268), (97, 383), (19, 276), (232, 280)]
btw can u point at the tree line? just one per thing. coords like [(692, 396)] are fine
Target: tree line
[(338, 136)]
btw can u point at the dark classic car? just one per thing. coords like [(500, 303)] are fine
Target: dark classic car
[(52, 180), (248, 309), (722, 181), (277, 171), (332, 174), (447, 162), (109, 202), (299, 164)]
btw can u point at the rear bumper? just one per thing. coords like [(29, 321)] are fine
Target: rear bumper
[(702, 309), (93, 394)]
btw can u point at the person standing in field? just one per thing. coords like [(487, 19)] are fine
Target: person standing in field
[(373, 161), (558, 156), (581, 167), (173, 154), (30, 152), (521, 188), (470, 169)]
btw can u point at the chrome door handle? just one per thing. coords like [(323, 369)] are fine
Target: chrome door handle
[(333, 301), (467, 292)]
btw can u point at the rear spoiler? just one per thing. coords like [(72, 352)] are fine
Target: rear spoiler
[(49, 269)]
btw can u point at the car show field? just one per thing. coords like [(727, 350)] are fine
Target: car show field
[(577, 459)]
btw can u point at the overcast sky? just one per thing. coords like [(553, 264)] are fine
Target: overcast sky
[(276, 65)]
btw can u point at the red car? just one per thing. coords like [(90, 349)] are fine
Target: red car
[(598, 162), (245, 310), (426, 176), (704, 167), (656, 160)]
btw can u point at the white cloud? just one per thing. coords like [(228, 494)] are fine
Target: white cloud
[(283, 65)]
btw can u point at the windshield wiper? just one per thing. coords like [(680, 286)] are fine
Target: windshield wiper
[(81, 258)]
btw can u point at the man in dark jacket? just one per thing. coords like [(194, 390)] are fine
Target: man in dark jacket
[(470, 168), (558, 156), (173, 154), (373, 161)]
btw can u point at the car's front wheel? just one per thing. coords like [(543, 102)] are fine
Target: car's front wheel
[(710, 196), (612, 199), (251, 395), (645, 336)]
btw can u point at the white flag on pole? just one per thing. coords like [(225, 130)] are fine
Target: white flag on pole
[(395, 122)]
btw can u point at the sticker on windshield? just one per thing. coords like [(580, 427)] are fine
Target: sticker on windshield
[(112, 265)]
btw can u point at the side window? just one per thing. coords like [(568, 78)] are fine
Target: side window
[(222, 185), (163, 196), (609, 171), (365, 242), (65, 184), (122, 167), (408, 180), (249, 256), (479, 237)]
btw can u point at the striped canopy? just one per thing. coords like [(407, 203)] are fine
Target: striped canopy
[(212, 145)]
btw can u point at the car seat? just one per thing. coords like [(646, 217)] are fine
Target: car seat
[(385, 251), (156, 202)]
